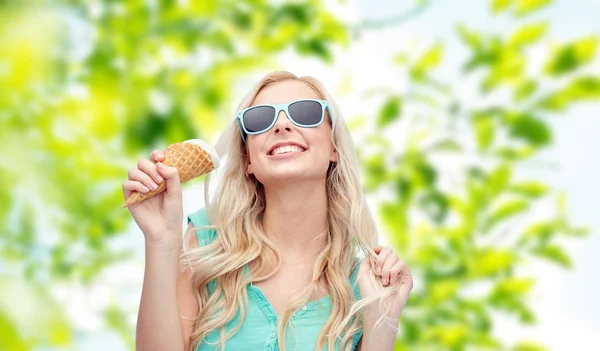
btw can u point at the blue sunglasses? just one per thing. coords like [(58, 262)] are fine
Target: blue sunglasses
[(306, 113)]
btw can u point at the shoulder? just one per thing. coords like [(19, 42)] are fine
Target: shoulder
[(199, 220)]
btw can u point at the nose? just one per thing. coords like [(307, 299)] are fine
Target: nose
[(283, 123)]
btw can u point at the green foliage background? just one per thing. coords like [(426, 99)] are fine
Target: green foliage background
[(88, 87)]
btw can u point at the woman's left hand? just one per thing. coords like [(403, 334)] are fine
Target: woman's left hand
[(391, 271)]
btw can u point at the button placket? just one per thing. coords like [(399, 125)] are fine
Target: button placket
[(272, 338)]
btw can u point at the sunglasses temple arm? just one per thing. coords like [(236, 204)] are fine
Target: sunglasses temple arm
[(241, 130)]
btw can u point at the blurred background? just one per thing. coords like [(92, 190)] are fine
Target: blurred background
[(476, 124)]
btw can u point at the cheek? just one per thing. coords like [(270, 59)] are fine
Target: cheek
[(252, 146), (322, 140)]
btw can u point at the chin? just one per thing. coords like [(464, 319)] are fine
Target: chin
[(274, 178)]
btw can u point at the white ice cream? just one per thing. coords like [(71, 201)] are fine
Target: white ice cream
[(208, 148)]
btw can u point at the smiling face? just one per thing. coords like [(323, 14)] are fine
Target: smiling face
[(287, 151)]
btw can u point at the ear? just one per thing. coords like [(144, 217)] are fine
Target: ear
[(333, 157), (249, 169)]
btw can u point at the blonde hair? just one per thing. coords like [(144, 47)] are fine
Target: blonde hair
[(236, 213)]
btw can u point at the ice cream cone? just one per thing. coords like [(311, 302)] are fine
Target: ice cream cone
[(192, 158)]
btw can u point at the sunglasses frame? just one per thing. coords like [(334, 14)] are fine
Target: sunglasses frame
[(278, 108)]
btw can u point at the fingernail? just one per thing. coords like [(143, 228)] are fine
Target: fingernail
[(159, 179), (154, 186), (379, 270), (145, 188)]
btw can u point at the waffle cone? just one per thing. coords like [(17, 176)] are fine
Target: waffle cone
[(191, 160)]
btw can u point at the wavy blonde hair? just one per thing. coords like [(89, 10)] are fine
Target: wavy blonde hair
[(236, 213)]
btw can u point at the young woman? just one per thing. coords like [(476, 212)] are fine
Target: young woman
[(273, 260)]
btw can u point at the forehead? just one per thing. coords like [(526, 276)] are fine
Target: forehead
[(285, 91)]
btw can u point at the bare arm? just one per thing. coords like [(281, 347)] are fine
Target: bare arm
[(186, 299), (167, 293), (382, 338)]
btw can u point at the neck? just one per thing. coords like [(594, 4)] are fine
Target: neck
[(296, 219)]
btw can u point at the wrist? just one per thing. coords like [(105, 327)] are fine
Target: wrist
[(373, 312), (169, 243)]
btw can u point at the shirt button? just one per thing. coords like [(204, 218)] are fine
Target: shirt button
[(272, 335), (304, 308)]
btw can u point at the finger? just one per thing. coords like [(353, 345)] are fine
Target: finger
[(133, 185), (140, 176), (365, 266), (171, 174), (150, 168), (381, 259), (407, 279), (390, 261), (405, 288), (157, 156), (396, 272)]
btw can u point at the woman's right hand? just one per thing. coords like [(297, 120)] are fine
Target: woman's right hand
[(159, 217)]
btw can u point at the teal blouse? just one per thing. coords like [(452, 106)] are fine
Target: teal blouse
[(259, 330)]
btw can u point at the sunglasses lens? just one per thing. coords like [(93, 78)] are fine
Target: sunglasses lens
[(306, 112), (259, 118)]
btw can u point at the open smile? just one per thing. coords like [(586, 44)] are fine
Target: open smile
[(286, 153)]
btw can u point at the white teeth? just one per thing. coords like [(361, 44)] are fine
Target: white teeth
[(285, 149)]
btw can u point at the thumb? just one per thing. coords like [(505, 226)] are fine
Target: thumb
[(365, 266), (171, 175), (363, 276)]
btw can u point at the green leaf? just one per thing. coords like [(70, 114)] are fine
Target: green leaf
[(504, 210), (469, 37), (450, 336), (500, 5), (527, 6), (527, 35), (394, 217), (446, 145), (314, 47), (443, 290), (530, 188), (531, 129), (9, 336), (529, 346), (498, 179), (401, 59), (585, 88), (525, 89), (553, 253), (390, 111), (484, 341), (578, 231), (572, 56), (509, 67), (430, 59), (375, 169), (435, 204), (538, 233), (515, 285), (515, 153), (484, 131), (489, 262)]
